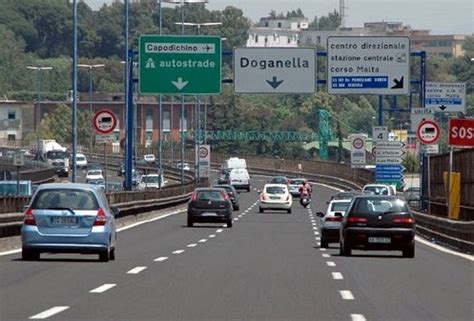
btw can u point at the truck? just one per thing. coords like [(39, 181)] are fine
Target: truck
[(55, 155)]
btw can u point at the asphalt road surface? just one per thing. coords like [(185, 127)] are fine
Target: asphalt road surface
[(267, 267)]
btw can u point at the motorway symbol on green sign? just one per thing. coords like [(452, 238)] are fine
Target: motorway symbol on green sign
[(183, 65)]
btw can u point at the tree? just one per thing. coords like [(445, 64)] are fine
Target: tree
[(331, 22)]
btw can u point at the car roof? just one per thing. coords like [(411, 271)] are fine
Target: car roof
[(275, 185), (341, 201), (199, 189), (67, 186), (372, 196)]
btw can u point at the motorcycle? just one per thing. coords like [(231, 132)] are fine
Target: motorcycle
[(305, 200)]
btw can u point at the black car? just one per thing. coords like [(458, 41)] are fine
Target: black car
[(378, 223), (234, 198), (345, 195), (210, 205)]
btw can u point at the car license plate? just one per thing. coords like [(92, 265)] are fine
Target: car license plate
[(384, 240), (208, 214), (274, 197), (65, 220)]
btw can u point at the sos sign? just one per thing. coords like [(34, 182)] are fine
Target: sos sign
[(461, 132)]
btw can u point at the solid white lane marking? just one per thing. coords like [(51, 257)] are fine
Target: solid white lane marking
[(326, 255), (150, 220), (224, 225), (442, 249), (49, 312), (161, 259), (191, 245), (330, 263), (337, 276), (219, 230), (136, 270), (358, 317), (103, 288), (346, 295), (178, 252), (202, 240), (212, 236)]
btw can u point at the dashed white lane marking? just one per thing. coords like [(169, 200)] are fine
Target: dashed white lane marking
[(212, 236), (346, 295), (326, 255), (202, 240), (178, 252), (337, 276), (191, 245), (161, 259), (358, 317), (225, 225), (236, 219), (315, 227), (219, 230), (330, 263), (316, 233), (136, 270), (322, 249), (48, 313), (318, 238), (318, 244), (103, 288)]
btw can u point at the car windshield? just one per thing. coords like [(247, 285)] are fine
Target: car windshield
[(377, 190), (275, 190), (56, 154), (296, 181), (94, 172), (278, 180), (339, 206), (210, 196), (73, 199), (150, 179), (80, 158), (374, 206)]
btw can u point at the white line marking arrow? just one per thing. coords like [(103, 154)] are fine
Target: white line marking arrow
[(180, 84)]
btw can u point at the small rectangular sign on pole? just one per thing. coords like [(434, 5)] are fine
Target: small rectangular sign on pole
[(358, 158), (204, 159)]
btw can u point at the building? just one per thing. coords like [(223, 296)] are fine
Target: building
[(16, 120), (276, 32), (445, 45)]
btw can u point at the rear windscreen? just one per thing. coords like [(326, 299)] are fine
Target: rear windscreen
[(65, 198), (340, 206), (275, 190), (210, 196), (376, 206)]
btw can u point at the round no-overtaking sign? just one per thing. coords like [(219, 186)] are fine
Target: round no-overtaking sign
[(428, 132), (104, 122)]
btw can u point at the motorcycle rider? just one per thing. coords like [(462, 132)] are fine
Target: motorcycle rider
[(305, 190)]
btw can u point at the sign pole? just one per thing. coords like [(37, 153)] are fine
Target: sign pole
[(448, 199), (17, 180), (105, 167), (429, 184)]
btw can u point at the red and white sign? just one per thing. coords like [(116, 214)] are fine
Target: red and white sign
[(104, 122), (461, 132), (428, 132)]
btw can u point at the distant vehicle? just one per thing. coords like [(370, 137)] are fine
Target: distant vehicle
[(96, 181), (94, 174), (81, 161), (209, 205), (234, 163), (412, 195), (239, 178), (149, 158), (346, 195), (294, 186), (377, 223), (186, 166), (330, 223), (95, 166), (233, 196), (380, 189), (151, 181), (69, 218), (113, 186), (275, 197), (9, 188), (279, 180), (60, 160)]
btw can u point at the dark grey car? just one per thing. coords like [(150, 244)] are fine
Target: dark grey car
[(210, 205), (234, 197)]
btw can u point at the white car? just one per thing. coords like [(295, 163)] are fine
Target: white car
[(94, 174), (81, 161), (379, 189), (151, 181), (149, 158), (239, 178), (275, 197), (186, 166), (330, 223)]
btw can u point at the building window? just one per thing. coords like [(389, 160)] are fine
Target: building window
[(166, 121), (185, 121), (279, 25), (266, 24), (11, 115), (11, 137), (149, 119), (319, 40), (256, 38), (289, 39), (266, 39)]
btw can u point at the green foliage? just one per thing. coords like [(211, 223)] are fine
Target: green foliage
[(411, 163)]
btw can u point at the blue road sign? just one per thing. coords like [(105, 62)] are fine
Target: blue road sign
[(393, 176)]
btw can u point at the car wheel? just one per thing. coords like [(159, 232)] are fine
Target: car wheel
[(112, 254), (229, 223), (104, 256), (30, 255), (260, 210), (236, 207), (345, 250), (409, 252), (324, 244), (248, 189), (190, 222), (288, 211)]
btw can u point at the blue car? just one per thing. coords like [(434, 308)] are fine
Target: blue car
[(69, 218)]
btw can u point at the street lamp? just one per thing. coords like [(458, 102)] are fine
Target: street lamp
[(91, 67), (38, 113)]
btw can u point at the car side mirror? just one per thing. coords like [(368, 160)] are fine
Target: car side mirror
[(319, 214), (259, 191), (115, 210), (338, 214)]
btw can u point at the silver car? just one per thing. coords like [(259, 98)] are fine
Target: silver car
[(69, 218)]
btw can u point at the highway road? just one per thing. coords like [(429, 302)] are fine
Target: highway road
[(267, 267)]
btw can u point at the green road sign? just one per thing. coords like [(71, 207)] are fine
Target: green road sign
[(183, 65)]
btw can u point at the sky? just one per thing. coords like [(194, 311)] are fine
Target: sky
[(439, 16)]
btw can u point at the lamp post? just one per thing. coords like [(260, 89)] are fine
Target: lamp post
[(91, 67), (198, 100), (38, 112)]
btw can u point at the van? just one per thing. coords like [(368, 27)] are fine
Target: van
[(379, 189), (239, 178), (235, 162)]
